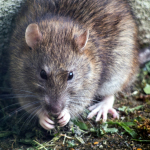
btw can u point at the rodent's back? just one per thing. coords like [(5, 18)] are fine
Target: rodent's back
[(99, 15)]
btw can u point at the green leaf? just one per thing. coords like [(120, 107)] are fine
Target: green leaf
[(5, 133), (108, 130), (71, 144), (148, 66), (29, 135), (138, 107), (141, 140), (129, 123), (128, 110), (123, 108), (56, 138), (111, 130), (80, 139), (147, 89), (40, 146), (81, 125), (130, 131), (93, 130), (26, 141), (126, 128), (30, 148)]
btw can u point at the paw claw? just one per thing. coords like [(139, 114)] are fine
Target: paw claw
[(45, 122), (98, 117), (92, 114), (114, 113), (101, 109), (64, 118)]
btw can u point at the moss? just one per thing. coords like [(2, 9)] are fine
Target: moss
[(141, 9)]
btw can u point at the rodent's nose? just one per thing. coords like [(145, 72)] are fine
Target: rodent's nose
[(55, 110), (55, 107)]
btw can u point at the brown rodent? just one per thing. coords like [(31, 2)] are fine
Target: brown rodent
[(64, 53)]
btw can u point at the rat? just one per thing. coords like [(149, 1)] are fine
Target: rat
[(64, 53)]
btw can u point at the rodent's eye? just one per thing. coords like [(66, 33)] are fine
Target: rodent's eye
[(70, 75), (30, 48), (43, 74)]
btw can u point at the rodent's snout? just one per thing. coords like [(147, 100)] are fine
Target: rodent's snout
[(54, 106)]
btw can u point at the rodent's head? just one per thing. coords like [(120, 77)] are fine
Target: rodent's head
[(58, 67)]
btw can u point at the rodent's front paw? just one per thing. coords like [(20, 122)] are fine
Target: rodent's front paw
[(102, 109), (45, 122), (64, 118)]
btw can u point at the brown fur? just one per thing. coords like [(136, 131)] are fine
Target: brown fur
[(107, 64)]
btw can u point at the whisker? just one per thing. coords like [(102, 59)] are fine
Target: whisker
[(31, 115), (95, 100), (85, 100), (76, 102), (81, 117), (27, 105), (36, 112), (26, 113), (16, 96), (18, 110), (12, 89), (9, 106), (40, 86), (72, 114), (88, 119)]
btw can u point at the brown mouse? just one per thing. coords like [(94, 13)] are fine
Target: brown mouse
[(64, 53)]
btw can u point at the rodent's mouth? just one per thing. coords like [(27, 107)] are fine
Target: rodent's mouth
[(55, 114), (52, 111)]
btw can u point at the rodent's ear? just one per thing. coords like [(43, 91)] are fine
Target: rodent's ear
[(82, 39), (32, 35)]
